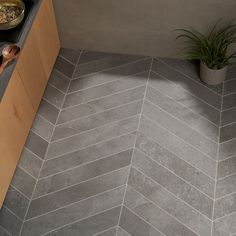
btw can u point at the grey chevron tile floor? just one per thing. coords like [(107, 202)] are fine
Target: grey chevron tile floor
[(127, 145)]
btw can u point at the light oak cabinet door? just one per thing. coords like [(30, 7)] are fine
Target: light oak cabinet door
[(31, 70), (47, 35), (16, 116)]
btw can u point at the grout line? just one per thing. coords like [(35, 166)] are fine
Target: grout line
[(180, 159), (185, 181), (229, 124), (82, 182), (5, 230), (139, 121), (222, 217), (98, 213), (13, 213), (104, 83), (177, 85), (187, 108), (16, 189), (145, 221), (227, 109), (43, 118), (58, 108), (104, 231), (226, 196), (22, 168), (171, 216), (225, 177), (85, 163), (87, 131), (218, 150), (66, 60), (41, 166), (226, 158), (59, 72), (44, 99), (101, 112), (91, 145), (33, 131), (76, 202), (128, 234), (229, 94), (37, 157), (181, 200), (230, 140), (183, 122), (112, 68), (187, 143), (106, 96), (195, 81), (53, 86)]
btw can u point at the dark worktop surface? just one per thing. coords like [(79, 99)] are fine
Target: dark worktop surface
[(6, 76)]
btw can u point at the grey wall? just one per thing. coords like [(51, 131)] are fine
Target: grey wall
[(135, 26)]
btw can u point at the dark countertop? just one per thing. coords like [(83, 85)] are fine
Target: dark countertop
[(5, 77)]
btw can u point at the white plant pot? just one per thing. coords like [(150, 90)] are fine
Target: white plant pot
[(212, 77)]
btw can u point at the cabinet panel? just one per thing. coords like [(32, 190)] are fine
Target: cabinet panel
[(31, 69), (16, 116), (47, 35)]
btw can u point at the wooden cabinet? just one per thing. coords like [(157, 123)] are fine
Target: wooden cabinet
[(25, 89), (16, 116), (47, 35)]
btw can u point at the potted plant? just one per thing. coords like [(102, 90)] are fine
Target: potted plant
[(211, 50)]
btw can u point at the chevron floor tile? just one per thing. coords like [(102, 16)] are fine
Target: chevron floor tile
[(127, 145)]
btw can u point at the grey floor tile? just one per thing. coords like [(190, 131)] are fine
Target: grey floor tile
[(101, 104), (29, 162), (74, 212), (136, 226), (10, 222), (229, 101), (92, 153), (225, 206), (94, 121), (92, 137), (227, 149), (110, 75), (83, 173), (172, 183), (154, 215), (4, 232), (176, 165), (122, 232), (16, 202), (167, 202), (231, 72), (183, 96), (229, 87), (64, 67), (54, 96), (192, 119), (181, 130), (60, 81), (228, 132), (92, 225), (192, 86), (48, 111), (226, 167), (226, 186), (23, 182), (104, 90), (43, 128), (228, 116), (71, 55), (177, 146), (109, 232), (36, 144), (225, 226), (89, 56), (78, 192), (104, 64), (191, 69)]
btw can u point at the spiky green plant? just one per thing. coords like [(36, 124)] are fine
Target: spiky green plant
[(212, 49)]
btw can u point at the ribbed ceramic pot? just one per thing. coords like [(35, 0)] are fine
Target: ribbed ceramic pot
[(212, 77)]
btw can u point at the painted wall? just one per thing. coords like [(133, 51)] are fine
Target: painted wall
[(135, 26)]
